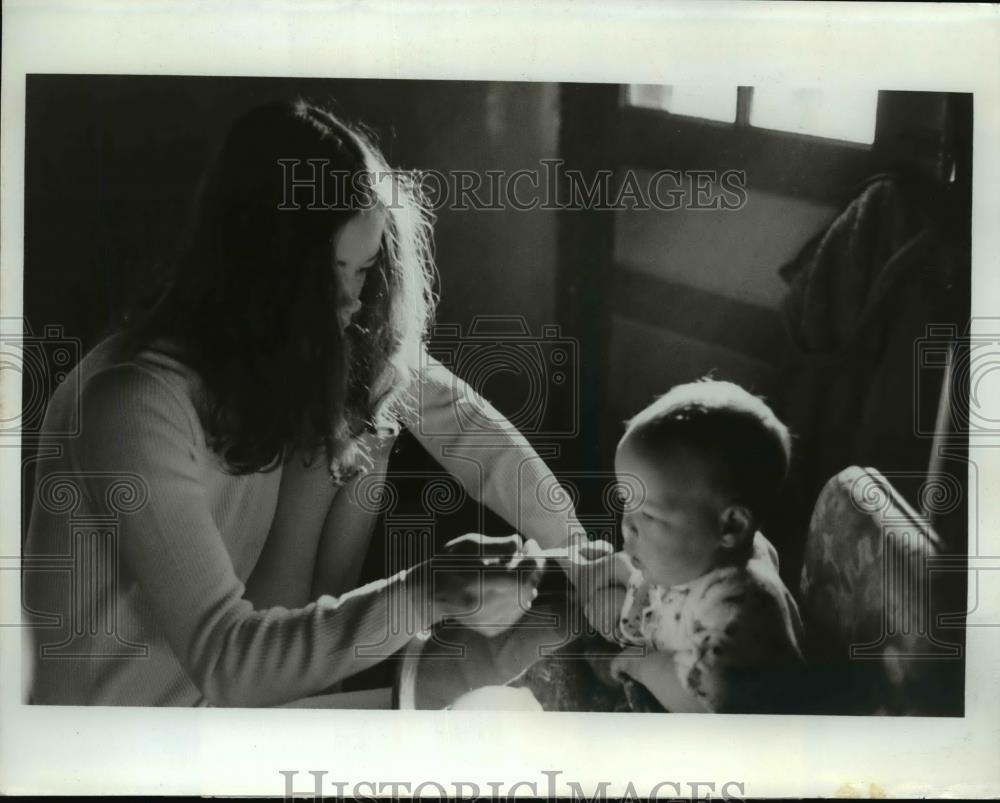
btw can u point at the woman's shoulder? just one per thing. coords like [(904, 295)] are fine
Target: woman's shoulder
[(114, 355), (115, 380)]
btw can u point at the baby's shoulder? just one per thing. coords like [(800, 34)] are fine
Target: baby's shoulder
[(739, 595), (748, 613)]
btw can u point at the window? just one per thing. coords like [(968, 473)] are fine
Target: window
[(713, 103), (847, 116)]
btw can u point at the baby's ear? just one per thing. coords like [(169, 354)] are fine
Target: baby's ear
[(737, 526)]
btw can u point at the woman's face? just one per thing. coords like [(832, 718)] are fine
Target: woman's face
[(356, 249)]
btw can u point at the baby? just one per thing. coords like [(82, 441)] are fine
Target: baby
[(707, 623)]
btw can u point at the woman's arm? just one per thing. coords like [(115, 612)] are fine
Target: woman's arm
[(172, 549), (490, 457), (285, 570), (347, 531)]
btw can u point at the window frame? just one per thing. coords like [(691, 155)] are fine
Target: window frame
[(803, 166), (599, 132)]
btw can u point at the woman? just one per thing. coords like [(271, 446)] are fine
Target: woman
[(237, 413)]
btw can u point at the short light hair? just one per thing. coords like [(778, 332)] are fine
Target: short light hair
[(747, 447)]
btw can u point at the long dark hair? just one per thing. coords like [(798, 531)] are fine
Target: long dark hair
[(253, 300)]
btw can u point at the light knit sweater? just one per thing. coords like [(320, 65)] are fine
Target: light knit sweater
[(154, 608)]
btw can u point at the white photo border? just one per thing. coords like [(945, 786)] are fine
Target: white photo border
[(946, 47)]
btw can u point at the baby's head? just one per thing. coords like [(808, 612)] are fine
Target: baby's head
[(710, 459)]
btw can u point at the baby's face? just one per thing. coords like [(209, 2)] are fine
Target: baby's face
[(673, 529)]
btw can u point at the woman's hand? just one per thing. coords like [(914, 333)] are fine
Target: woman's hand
[(603, 609), (485, 583), (600, 577), (584, 562)]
